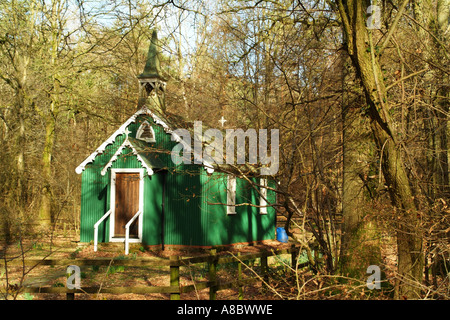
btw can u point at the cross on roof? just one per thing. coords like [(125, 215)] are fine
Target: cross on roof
[(222, 120)]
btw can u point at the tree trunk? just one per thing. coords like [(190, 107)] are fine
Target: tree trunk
[(442, 97), (50, 117), (45, 212), (360, 246), (361, 50), (21, 177)]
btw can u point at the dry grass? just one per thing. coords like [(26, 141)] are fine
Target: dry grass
[(284, 283), (66, 246)]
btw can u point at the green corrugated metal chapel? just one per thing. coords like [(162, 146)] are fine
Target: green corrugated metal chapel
[(132, 190)]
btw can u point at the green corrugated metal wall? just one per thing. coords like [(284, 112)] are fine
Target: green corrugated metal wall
[(193, 215), (151, 231), (196, 215), (95, 198), (184, 223), (244, 226)]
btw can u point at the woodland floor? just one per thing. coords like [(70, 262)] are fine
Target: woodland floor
[(65, 245), (282, 284)]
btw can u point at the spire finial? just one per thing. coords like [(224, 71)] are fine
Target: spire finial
[(151, 84), (152, 67)]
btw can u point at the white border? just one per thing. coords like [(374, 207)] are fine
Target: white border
[(113, 204), (141, 129), (231, 194), (263, 196)]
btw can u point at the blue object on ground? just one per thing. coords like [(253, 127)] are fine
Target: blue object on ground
[(282, 235)]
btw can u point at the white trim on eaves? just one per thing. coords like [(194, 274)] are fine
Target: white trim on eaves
[(126, 143), (111, 139), (121, 130)]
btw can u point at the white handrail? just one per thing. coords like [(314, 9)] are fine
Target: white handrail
[(96, 228), (127, 230)]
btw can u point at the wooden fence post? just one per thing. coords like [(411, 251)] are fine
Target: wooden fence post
[(69, 295), (213, 275), (294, 258), (241, 288), (174, 277), (264, 267)]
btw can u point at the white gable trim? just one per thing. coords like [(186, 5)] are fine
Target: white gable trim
[(111, 139), (126, 143), (121, 130)]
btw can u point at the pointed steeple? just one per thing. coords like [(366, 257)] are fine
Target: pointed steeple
[(150, 80), (152, 67)]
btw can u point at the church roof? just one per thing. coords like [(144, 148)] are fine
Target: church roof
[(148, 160), (152, 67)]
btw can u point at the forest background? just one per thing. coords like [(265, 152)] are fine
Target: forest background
[(359, 91)]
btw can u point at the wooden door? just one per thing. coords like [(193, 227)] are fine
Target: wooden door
[(127, 203)]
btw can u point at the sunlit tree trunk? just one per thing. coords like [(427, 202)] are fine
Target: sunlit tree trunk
[(50, 116), (360, 245), (362, 52)]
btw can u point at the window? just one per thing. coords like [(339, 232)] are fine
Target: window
[(263, 196), (231, 194), (146, 133)]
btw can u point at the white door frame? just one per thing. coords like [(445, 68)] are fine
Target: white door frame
[(113, 204)]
